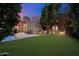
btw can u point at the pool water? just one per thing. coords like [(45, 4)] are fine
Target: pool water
[(9, 38)]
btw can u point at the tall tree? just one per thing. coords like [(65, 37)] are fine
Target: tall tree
[(74, 8), (49, 15), (44, 18), (66, 20), (8, 18)]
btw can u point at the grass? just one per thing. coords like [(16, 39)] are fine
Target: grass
[(42, 46)]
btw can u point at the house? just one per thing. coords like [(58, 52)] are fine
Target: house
[(28, 25), (23, 25)]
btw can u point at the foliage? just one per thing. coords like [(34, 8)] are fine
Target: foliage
[(8, 17), (75, 19), (49, 14)]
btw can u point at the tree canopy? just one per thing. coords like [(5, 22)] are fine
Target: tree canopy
[(70, 17), (8, 18), (49, 15), (74, 8)]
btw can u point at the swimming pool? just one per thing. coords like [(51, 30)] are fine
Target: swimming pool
[(9, 38)]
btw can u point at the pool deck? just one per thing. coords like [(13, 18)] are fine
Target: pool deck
[(20, 36)]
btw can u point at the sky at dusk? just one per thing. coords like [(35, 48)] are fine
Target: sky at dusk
[(33, 9)]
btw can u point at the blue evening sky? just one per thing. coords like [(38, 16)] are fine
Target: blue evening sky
[(33, 9)]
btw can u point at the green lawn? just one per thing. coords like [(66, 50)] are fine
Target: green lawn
[(42, 46)]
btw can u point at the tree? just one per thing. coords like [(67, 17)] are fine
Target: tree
[(8, 18), (44, 18), (49, 15), (66, 20), (74, 8)]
